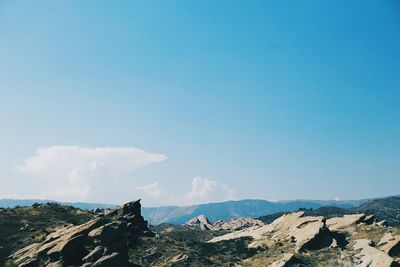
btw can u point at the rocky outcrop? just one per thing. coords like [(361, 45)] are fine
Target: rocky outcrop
[(295, 234), (304, 232), (351, 220), (103, 241), (371, 256), (202, 222), (390, 244), (235, 224)]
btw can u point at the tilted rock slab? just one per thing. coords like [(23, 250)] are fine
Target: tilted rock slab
[(371, 256), (306, 232), (390, 244)]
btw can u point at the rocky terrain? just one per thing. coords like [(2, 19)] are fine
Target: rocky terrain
[(248, 208), (202, 222), (102, 241), (56, 235), (298, 240)]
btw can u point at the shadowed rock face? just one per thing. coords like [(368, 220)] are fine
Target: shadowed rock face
[(103, 241)]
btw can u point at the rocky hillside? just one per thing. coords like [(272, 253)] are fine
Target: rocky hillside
[(298, 240), (384, 208), (122, 237), (22, 226), (102, 241)]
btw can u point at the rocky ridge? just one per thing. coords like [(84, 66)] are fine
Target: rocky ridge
[(351, 240), (103, 241)]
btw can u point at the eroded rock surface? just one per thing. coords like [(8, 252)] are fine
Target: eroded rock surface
[(102, 241), (294, 234), (371, 256), (203, 223)]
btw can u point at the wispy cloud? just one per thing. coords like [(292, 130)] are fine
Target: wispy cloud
[(71, 171)]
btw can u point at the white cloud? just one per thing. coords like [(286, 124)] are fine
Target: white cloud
[(70, 172), (205, 190), (152, 190)]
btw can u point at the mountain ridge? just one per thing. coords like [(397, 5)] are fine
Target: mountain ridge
[(251, 208)]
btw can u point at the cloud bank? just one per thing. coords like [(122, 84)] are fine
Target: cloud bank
[(70, 172)]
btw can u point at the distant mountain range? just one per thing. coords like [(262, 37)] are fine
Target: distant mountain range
[(214, 211), (235, 209), (387, 209), (11, 203)]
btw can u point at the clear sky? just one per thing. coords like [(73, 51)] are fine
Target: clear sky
[(181, 102)]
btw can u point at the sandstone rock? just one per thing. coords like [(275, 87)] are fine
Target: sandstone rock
[(179, 257), (131, 208), (70, 249), (382, 223), (77, 245), (56, 241), (108, 232), (343, 223), (370, 256), (203, 223), (306, 232), (234, 224), (200, 221), (390, 244), (255, 232)]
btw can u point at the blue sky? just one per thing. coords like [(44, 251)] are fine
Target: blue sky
[(223, 100)]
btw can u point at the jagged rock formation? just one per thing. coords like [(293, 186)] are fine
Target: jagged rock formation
[(103, 241), (202, 222), (350, 240), (121, 237)]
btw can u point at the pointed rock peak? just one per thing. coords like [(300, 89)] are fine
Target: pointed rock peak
[(203, 219)]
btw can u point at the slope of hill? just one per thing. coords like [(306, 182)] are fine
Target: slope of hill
[(64, 236), (384, 208), (251, 208), (25, 225), (11, 203)]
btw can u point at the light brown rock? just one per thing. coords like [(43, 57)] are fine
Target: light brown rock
[(390, 244), (370, 256), (343, 223)]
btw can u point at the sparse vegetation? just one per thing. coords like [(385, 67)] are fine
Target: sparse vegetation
[(25, 225)]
